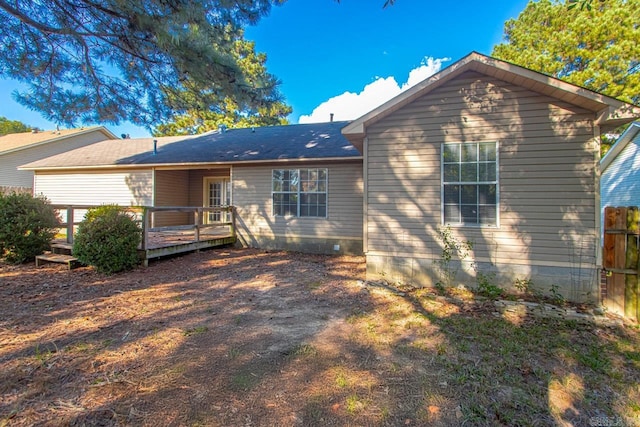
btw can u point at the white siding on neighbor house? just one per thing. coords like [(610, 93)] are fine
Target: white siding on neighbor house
[(125, 188), (547, 163), (9, 162), (620, 182), (255, 219)]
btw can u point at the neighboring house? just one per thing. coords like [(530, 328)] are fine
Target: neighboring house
[(505, 156), (296, 187), (620, 170), (19, 148)]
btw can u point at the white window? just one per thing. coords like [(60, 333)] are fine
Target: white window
[(299, 192), (470, 184)]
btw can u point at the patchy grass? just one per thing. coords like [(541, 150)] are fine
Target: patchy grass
[(271, 338)]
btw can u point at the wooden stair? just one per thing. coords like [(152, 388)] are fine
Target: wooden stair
[(60, 253)]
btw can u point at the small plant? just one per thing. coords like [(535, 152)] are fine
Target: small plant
[(523, 285), (195, 331), (526, 287), (451, 248), (354, 404), (234, 353), (42, 356), (27, 225), (341, 380), (314, 285), (243, 380), (108, 239), (486, 286), (556, 297), (303, 350)]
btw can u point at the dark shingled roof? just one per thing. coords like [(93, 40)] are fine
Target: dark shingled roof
[(310, 141), (272, 143)]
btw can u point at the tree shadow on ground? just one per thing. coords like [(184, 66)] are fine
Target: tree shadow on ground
[(246, 337)]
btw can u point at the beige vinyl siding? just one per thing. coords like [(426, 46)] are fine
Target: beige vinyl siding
[(546, 174), (252, 197), (9, 162), (171, 189), (125, 188)]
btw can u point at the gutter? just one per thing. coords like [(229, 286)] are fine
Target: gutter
[(192, 165)]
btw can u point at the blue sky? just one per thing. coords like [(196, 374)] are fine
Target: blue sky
[(346, 58)]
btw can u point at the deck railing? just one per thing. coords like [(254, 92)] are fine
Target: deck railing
[(72, 215)]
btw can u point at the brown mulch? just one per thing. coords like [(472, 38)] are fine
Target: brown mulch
[(243, 337)]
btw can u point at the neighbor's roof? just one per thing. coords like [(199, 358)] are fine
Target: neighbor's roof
[(610, 111), (262, 144), (619, 145), (24, 140)]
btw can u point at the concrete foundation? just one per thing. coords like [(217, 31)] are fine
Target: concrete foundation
[(575, 283), (334, 246)]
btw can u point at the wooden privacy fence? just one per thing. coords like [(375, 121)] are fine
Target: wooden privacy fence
[(621, 261)]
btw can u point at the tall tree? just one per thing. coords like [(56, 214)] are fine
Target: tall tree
[(110, 60), (12, 126), (225, 110), (597, 48)]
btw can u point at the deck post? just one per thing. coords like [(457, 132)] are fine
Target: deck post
[(145, 229), (233, 220), (70, 224), (197, 216)]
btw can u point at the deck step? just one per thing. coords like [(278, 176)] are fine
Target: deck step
[(62, 248), (71, 261)]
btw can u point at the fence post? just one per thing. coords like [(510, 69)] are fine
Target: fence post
[(631, 262)]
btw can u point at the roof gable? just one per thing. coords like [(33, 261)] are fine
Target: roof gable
[(23, 140), (610, 112)]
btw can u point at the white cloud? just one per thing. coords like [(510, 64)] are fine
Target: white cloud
[(349, 106)]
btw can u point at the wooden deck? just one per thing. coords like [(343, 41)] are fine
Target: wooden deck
[(157, 242), (171, 242)]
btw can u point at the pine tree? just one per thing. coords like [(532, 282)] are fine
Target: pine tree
[(596, 47), (225, 110), (94, 61)]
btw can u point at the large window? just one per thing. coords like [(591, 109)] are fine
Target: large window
[(470, 184), (299, 192)]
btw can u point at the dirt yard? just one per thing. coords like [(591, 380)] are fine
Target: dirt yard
[(253, 338)]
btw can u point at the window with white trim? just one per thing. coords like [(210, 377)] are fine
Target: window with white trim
[(299, 192), (470, 184)]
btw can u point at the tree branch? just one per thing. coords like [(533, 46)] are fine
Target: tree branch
[(31, 22)]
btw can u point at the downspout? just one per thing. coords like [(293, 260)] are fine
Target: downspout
[(598, 220), (153, 195), (365, 195)]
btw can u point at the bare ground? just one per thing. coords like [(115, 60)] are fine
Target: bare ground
[(253, 338)]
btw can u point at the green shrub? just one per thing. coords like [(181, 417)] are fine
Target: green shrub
[(107, 239), (27, 225)]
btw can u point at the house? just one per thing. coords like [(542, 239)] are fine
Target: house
[(507, 157), (19, 148), (296, 187), (620, 171), (499, 155)]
